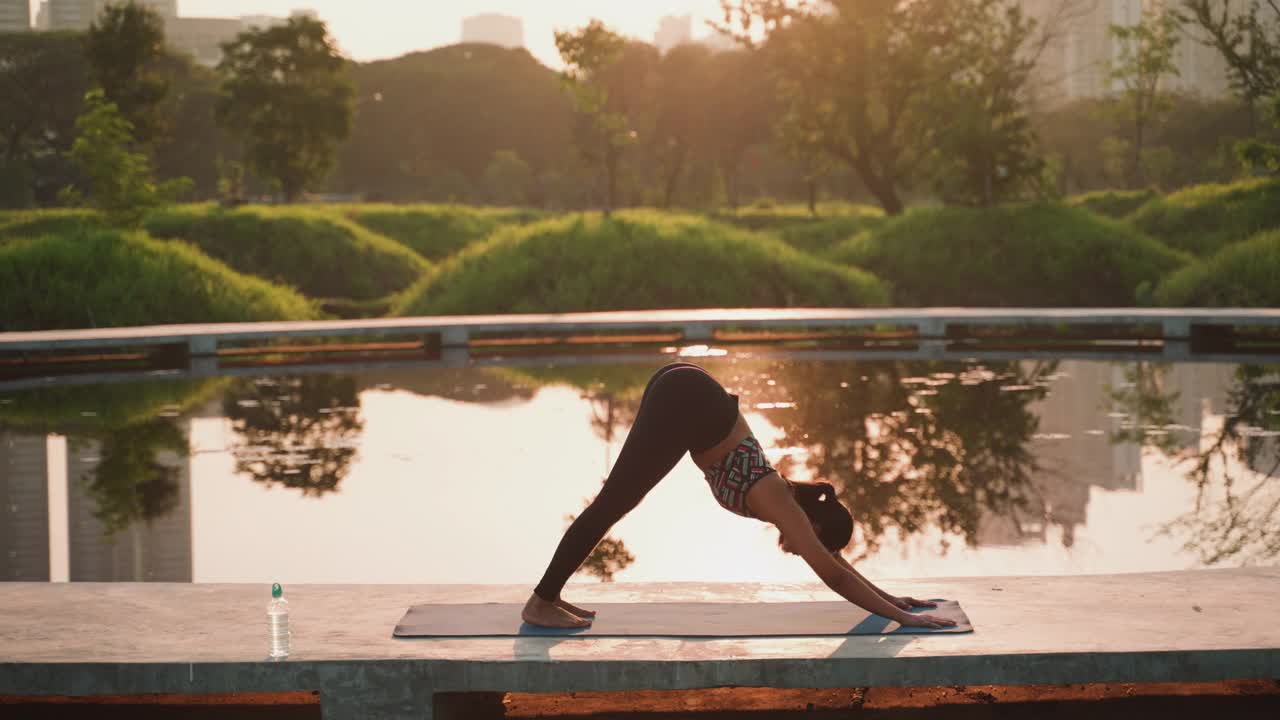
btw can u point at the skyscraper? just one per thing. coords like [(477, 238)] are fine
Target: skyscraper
[(42, 17), (79, 14), (24, 508), (494, 29), (155, 550), (673, 30), (1078, 61), (71, 14), (15, 16)]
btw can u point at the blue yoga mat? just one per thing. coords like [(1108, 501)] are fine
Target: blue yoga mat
[(674, 619)]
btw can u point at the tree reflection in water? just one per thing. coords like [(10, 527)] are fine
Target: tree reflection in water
[(300, 432), (129, 484), (1233, 466), (909, 445)]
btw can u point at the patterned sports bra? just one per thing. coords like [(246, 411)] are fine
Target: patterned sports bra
[(733, 476)]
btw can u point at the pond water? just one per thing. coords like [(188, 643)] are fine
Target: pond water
[(951, 468)]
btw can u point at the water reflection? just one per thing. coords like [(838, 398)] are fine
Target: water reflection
[(1232, 463), (298, 432), (910, 445), (948, 459), (129, 482)]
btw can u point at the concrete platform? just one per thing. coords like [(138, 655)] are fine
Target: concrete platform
[(201, 340), (86, 639)]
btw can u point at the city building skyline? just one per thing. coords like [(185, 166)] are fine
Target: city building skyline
[(15, 15)]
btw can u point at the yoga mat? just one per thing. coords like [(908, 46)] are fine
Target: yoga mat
[(673, 619)]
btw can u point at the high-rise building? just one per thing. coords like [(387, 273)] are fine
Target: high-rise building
[(71, 14), (42, 16), (80, 14), (202, 37), (158, 550), (24, 508), (494, 29), (15, 16), (673, 30), (1077, 63)]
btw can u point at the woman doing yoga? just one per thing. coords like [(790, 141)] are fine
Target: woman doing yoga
[(684, 409)]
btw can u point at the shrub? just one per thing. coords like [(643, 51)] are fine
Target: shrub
[(1206, 218), (1246, 274), (1113, 203), (106, 278), (321, 254), (437, 231), (636, 260), (769, 216), (1043, 255)]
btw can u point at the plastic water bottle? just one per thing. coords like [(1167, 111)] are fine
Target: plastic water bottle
[(278, 623)]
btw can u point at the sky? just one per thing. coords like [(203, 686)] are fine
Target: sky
[(376, 29)]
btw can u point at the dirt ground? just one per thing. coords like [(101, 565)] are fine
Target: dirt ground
[(1237, 700)]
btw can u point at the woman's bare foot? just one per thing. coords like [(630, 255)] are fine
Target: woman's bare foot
[(547, 614), (580, 612)]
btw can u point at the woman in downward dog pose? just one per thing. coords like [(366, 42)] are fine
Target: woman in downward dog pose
[(684, 409)]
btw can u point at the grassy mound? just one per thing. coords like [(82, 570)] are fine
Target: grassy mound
[(1113, 203), (1206, 218), (820, 236), (437, 231), (104, 278), (89, 410), (1246, 274), (767, 216), (636, 260), (34, 223), (1024, 255), (320, 253)]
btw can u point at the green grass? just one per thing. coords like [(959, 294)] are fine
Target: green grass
[(318, 252), (637, 260), (1044, 255), (1245, 274), (89, 410), (820, 236), (1113, 203), (436, 231), (1206, 218), (34, 223), (106, 278), (767, 216)]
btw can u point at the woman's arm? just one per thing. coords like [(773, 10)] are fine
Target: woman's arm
[(772, 501), (775, 504), (904, 603)]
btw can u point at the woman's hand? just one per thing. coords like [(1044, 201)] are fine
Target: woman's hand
[(925, 621), (907, 603)]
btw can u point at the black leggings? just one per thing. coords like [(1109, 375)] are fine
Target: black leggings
[(683, 409)]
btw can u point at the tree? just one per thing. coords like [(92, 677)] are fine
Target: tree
[(985, 150), (43, 79), (1145, 57), (120, 181), (741, 102), (285, 93), (508, 178), (123, 46), (852, 76), (588, 54), (1248, 39), (682, 122)]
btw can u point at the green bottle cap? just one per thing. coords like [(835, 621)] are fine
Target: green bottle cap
[(276, 590)]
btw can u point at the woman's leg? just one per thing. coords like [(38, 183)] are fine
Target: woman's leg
[(656, 442)]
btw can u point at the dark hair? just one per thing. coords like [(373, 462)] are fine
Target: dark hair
[(819, 502)]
